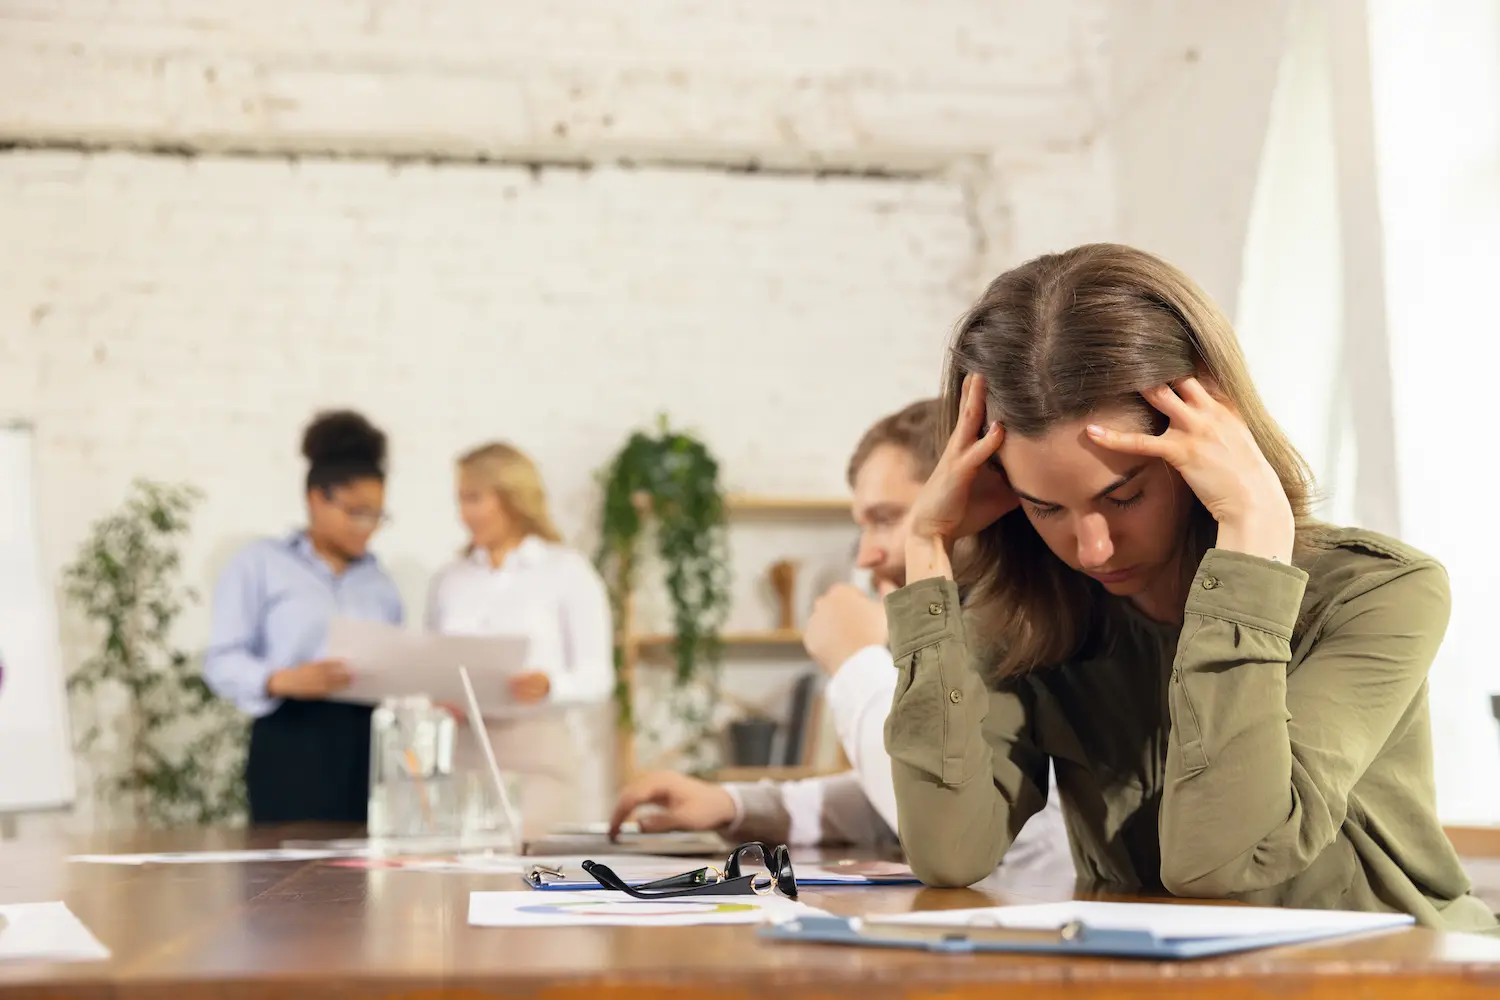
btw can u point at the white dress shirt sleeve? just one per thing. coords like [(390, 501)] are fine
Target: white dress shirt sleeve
[(821, 811), (859, 695), (588, 672)]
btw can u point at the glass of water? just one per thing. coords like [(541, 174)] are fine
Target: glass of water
[(413, 792)]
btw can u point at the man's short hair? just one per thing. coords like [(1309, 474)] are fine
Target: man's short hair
[(913, 429)]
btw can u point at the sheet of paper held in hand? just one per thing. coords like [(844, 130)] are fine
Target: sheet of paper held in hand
[(390, 661)]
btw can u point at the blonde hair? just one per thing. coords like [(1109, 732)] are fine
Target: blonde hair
[(1056, 339), (513, 476)]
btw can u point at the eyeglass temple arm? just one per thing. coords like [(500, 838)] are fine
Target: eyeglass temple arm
[(686, 880)]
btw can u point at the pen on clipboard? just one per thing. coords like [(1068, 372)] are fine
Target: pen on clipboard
[(976, 931), (476, 723)]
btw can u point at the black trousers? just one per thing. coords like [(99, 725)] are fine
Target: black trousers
[(310, 761)]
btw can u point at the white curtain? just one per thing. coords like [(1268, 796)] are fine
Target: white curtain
[(1290, 302), (1373, 245), (1436, 86)]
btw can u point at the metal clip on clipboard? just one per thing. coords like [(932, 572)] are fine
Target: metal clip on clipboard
[(538, 875)]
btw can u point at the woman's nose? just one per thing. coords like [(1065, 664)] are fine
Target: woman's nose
[(1095, 548)]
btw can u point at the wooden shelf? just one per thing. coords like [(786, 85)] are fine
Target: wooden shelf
[(755, 504), (779, 642), (775, 773)]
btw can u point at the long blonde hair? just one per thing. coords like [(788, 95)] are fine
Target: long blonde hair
[(1056, 339), (512, 474)]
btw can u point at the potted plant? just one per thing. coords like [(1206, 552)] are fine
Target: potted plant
[(671, 479), (183, 748)]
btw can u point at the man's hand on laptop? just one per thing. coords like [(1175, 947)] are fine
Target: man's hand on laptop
[(672, 801)]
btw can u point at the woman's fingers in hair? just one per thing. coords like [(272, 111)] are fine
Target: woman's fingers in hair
[(1133, 442), (1177, 402), (970, 414), (980, 451), (1196, 394)]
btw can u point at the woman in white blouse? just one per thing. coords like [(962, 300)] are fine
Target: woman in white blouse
[(515, 577)]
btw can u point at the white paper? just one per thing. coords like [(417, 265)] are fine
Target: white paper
[(46, 932), (388, 661), (209, 857), (585, 908), (471, 864), (1167, 921)]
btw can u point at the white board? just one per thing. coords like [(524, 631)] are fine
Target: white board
[(36, 758)]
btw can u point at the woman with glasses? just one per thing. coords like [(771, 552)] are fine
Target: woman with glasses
[(515, 576), (309, 757)]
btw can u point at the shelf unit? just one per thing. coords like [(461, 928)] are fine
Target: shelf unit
[(750, 504), (652, 649)]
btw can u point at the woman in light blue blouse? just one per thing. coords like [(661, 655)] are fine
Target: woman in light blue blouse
[(309, 757)]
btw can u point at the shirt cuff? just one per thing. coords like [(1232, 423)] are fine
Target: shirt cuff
[(739, 807), (921, 613), (759, 812), (1248, 590), (253, 699)]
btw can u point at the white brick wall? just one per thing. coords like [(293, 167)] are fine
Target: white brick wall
[(872, 82), (181, 317)]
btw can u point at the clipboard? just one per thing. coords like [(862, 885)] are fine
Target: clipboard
[(1075, 938)]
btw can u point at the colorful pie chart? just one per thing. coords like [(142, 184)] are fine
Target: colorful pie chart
[(635, 909)]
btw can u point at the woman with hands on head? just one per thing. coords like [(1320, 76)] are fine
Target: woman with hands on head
[(1232, 693)]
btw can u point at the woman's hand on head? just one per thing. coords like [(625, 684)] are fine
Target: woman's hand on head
[(1211, 447), (966, 492)]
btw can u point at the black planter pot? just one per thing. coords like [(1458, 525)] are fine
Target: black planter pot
[(750, 742)]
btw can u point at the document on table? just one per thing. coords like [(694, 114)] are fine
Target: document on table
[(1124, 930), (46, 932), (615, 909), (209, 857), (389, 661)]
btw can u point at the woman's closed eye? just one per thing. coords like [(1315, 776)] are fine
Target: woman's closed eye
[(1049, 510)]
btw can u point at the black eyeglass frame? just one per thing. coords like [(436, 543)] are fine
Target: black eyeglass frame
[(710, 881)]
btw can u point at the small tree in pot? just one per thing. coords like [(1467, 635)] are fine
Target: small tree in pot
[(183, 748)]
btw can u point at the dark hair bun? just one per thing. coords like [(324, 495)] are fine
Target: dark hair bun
[(343, 437)]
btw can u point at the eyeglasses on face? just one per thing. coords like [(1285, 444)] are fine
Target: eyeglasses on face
[(363, 515), (756, 868)]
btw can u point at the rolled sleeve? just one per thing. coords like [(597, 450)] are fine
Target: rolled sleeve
[(1247, 590), (962, 759)]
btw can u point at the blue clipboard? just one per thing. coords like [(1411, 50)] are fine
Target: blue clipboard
[(1073, 939)]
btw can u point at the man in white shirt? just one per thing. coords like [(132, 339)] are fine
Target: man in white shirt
[(846, 637)]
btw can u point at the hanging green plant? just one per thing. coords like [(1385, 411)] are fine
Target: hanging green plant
[(673, 478)]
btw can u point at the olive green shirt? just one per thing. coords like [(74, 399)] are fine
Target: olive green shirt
[(1275, 748)]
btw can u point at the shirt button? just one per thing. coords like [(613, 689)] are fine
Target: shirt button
[(955, 696), (1210, 582), (934, 609)]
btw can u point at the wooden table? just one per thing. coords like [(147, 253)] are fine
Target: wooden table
[(312, 929)]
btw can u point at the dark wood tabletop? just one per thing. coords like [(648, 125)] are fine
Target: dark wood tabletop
[(294, 929)]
